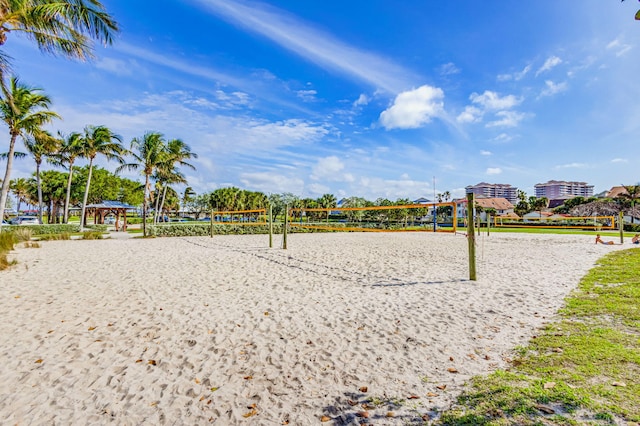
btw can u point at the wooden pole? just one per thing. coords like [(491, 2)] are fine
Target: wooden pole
[(488, 224), (270, 226), (211, 225), (471, 236), (621, 226), (286, 224)]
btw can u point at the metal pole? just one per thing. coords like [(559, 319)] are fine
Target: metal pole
[(471, 236), (211, 223)]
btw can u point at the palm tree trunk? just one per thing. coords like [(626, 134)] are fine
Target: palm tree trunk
[(144, 206), (164, 194), (7, 175), (39, 184), (65, 218), (86, 195), (156, 216)]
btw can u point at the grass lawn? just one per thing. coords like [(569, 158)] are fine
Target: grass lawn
[(583, 369)]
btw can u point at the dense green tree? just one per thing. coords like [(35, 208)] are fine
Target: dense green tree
[(24, 110), (20, 189)]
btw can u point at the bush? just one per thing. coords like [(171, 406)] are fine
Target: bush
[(632, 227), (7, 240), (45, 229), (92, 235)]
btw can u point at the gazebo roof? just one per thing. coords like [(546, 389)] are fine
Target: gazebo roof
[(107, 204)]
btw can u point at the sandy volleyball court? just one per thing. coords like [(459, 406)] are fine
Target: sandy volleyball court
[(228, 331)]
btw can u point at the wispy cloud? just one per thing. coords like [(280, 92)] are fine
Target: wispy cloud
[(494, 171), (313, 44), (619, 160), (491, 102), (619, 47), (572, 166), (507, 119), (485, 153), (449, 69), (549, 64), (552, 88), (517, 76)]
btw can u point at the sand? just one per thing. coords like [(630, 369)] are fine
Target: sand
[(350, 327)]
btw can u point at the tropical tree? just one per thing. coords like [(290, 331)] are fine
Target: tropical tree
[(20, 188), (98, 140), (70, 149), (40, 145), (24, 110), (327, 201), (631, 195), (177, 153), (149, 154), (59, 27)]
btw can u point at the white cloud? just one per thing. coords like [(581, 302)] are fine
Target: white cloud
[(486, 153), (503, 138), (413, 108), (549, 64), (506, 119), (572, 166), (313, 44), (492, 101), (619, 47), (362, 100), (115, 66), (517, 76), (470, 114), (619, 160), (494, 171), (268, 182), (553, 88), (330, 169), (449, 69), (307, 95)]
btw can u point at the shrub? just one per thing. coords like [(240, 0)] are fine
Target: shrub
[(23, 233), (92, 235), (7, 240), (45, 229)]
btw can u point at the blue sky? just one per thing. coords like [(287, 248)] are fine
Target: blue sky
[(365, 98)]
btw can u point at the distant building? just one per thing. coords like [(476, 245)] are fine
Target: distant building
[(616, 191), (494, 190), (422, 200), (501, 205), (561, 189)]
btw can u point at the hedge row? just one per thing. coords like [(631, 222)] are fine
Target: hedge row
[(59, 228)]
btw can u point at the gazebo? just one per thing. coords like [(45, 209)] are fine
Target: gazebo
[(100, 210)]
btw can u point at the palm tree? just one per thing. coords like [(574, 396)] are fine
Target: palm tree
[(70, 150), (187, 196), (98, 140), (24, 110), (20, 188), (59, 27), (149, 154), (40, 145), (178, 153), (632, 195)]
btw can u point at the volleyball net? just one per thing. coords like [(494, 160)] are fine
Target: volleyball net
[(435, 217), (240, 217), (595, 223)]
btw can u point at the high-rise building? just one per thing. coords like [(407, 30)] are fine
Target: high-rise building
[(555, 189), (494, 190)]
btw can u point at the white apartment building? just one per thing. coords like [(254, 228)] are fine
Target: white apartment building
[(494, 190), (555, 189)]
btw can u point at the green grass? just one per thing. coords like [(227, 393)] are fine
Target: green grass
[(589, 360)]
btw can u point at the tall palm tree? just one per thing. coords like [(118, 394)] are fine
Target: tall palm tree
[(24, 110), (40, 145), (99, 140), (178, 153), (149, 154), (70, 150), (20, 188)]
